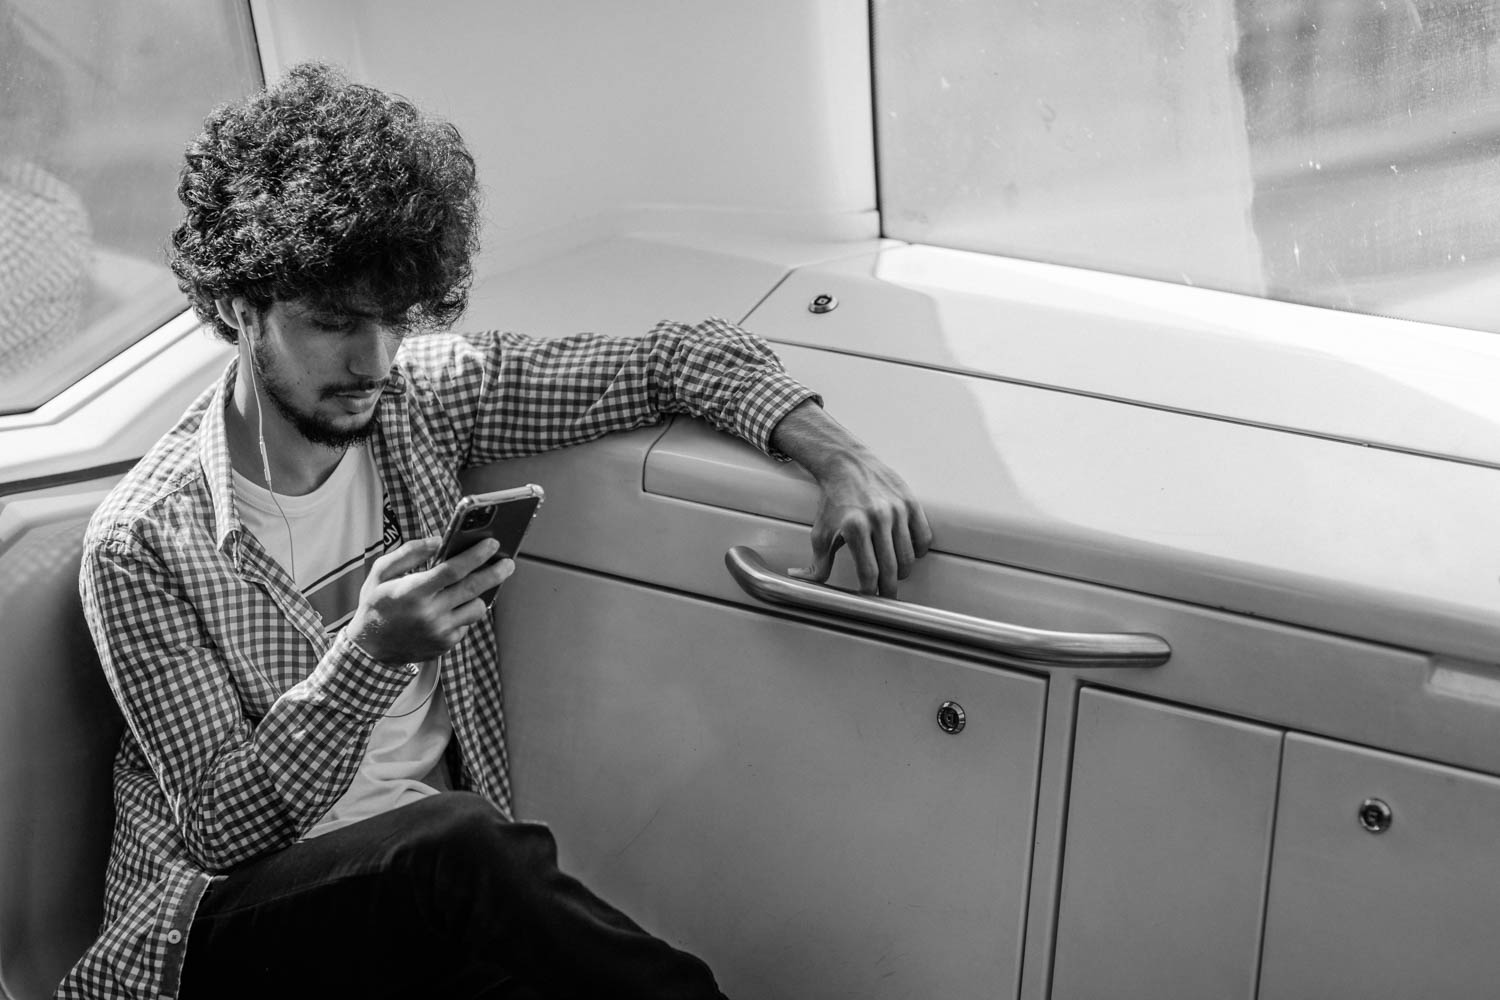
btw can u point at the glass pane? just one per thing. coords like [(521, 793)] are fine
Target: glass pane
[(1335, 152), (97, 100)]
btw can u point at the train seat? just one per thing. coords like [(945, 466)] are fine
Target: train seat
[(58, 731)]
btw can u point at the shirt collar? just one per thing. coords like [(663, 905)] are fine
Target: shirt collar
[(213, 454)]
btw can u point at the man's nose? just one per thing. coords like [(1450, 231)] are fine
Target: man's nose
[(373, 350)]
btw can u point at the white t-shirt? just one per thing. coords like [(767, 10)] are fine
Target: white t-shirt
[(336, 532)]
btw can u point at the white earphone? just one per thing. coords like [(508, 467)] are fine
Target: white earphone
[(249, 332)]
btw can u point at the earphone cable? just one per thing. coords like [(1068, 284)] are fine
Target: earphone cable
[(265, 460)]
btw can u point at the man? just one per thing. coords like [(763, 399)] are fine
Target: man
[(312, 797)]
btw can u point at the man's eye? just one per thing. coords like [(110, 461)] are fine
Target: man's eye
[(332, 324)]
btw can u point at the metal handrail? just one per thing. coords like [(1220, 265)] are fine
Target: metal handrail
[(1031, 645)]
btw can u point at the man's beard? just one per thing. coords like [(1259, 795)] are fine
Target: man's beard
[(309, 425)]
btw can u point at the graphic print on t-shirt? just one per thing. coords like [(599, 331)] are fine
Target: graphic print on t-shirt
[(335, 594), (327, 539)]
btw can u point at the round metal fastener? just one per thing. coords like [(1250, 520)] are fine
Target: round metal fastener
[(951, 717), (1375, 816), (823, 303)]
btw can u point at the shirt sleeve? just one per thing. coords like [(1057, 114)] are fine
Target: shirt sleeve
[(507, 395), (237, 788)]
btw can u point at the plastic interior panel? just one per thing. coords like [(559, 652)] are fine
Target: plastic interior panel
[(620, 287), (755, 114), (1164, 869), (1409, 912), (598, 518), (59, 728), (1357, 541), (755, 788), (1404, 385), (118, 411)]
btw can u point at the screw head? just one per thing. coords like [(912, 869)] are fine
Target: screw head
[(951, 718), (823, 303), (1375, 816)]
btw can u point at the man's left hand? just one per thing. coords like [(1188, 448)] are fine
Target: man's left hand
[(865, 506)]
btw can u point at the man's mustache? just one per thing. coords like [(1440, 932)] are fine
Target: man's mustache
[(354, 387)]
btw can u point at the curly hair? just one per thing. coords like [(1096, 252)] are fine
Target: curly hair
[(328, 191)]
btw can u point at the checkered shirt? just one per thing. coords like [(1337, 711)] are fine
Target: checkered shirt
[(245, 722)]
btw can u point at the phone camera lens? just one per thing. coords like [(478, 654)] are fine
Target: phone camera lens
[(477, 518)]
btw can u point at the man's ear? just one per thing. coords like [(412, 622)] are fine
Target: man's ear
[(236, 312)]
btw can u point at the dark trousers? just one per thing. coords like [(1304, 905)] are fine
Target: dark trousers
[(444, 898)]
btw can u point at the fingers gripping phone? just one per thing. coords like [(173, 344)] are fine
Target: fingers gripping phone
[(503, 515)]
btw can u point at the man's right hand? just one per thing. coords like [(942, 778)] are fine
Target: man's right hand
[(408, 614)]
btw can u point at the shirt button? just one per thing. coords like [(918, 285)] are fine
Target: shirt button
[(174, 936)]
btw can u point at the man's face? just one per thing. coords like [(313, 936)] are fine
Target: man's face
[(324, 371)]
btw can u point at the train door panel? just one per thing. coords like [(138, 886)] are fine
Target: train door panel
[(778, 797)]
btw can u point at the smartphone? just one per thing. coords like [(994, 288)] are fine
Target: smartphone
[(503, 515)]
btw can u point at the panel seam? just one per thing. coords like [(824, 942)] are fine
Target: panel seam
[(1265, 897)]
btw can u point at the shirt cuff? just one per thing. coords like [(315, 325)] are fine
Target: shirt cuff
[(773, 395), (351, 679)]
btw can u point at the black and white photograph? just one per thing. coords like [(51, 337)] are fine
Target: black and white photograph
[(773, 500)]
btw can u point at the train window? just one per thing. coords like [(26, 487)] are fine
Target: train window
[(96, 103), (1339, 153)]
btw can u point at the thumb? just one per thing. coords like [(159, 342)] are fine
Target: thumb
[(822, 564)]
